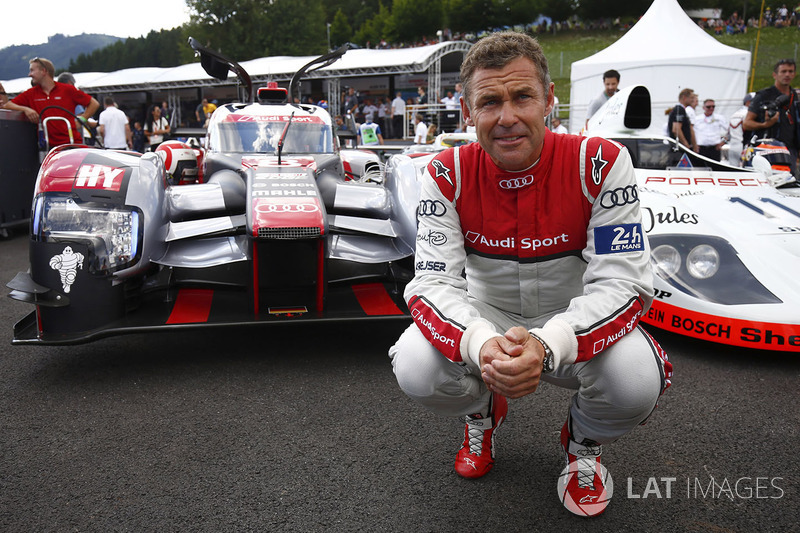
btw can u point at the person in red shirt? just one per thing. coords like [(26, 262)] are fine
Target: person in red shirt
[(47, 92)]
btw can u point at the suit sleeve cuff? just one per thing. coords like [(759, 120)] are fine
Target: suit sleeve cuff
[(560, 337), (476, 334)]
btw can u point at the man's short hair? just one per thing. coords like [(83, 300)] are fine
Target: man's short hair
[(108, 101), (499, 49), (786, 61), (611, 74), (686, 93), (45, 64), (66, 77)]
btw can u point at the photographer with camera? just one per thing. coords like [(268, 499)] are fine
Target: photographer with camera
[(775, 111)]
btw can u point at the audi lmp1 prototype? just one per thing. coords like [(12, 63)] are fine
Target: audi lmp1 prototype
[(282, 225), (725, 241)]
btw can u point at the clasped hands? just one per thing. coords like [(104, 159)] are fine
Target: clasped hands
[(511, 365)]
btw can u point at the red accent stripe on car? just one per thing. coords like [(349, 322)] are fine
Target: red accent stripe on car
[(724, 330), (191, 306), (321, 275), (374, 299)]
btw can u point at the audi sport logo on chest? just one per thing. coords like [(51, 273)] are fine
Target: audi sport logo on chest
[(514, 183)]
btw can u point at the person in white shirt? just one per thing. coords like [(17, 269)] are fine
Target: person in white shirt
[(155, 128), (114, 126), (736, 133), (611, 86), (398, 114), (449, 102), (690, 108), (558, 127), (420, 130), (710, 130)]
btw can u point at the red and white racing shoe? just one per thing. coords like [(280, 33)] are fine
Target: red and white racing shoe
[(476, 456), (585, 486)]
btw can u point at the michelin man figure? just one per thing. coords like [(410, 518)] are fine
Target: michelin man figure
[(67, 263)]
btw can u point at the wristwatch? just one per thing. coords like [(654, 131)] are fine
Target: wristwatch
[(548, 363)]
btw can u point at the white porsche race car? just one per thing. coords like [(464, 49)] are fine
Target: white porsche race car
[(725, 241)]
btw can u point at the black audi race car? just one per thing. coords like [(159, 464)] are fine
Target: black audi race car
[(279, 224)]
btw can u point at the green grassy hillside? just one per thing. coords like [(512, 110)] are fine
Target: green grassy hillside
[(563, 48)]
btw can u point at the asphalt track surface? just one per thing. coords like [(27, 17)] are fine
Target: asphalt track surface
[(299, 429)]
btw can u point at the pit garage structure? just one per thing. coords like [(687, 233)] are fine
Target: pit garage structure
[(375, 72)]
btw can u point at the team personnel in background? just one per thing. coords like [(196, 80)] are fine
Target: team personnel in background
[(155, 127), (710, 130), (114, 127), (370, 133), (775, 111), (398, 114), (420, 129), (679, 124), (611, 84), (47, 92), (736, 133), (531, 264)]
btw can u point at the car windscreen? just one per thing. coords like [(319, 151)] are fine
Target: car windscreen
[(263, 137)]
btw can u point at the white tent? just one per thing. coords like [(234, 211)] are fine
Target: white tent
[(666, 52)]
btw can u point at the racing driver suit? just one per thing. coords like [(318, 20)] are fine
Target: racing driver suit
[(557, 248)]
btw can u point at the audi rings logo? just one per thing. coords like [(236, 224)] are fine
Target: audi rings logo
[(516, 183), (286, 208), (431, 208), (619, 197)]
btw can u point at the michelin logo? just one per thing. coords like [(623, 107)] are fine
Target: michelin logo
[(618, 239)]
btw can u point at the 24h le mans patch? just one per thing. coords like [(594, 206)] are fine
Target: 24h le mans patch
[(619, 238)]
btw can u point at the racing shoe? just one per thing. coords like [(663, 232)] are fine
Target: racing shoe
[(585, 486), (476, 456)]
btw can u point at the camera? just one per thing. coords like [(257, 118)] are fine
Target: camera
[(771, 108)]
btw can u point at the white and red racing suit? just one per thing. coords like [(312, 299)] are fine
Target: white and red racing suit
[(558, 249), (562, 238)]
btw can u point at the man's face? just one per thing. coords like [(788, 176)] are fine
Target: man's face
[(36, 73), (611, 85), (693, 101), (784, 76), (507, 108), (708, 108)]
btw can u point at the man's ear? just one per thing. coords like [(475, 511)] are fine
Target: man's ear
[(550, 99), (465, 112)]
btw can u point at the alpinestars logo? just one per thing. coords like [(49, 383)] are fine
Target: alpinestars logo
[(442, 172), (598, 164)]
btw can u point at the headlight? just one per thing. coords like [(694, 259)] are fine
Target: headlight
[(112, 233), (703, 261), (708, 268), (666, 260)]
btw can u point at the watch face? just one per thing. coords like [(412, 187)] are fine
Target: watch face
[(547, 363)]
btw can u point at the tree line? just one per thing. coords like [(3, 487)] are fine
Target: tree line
[(247, 29)]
